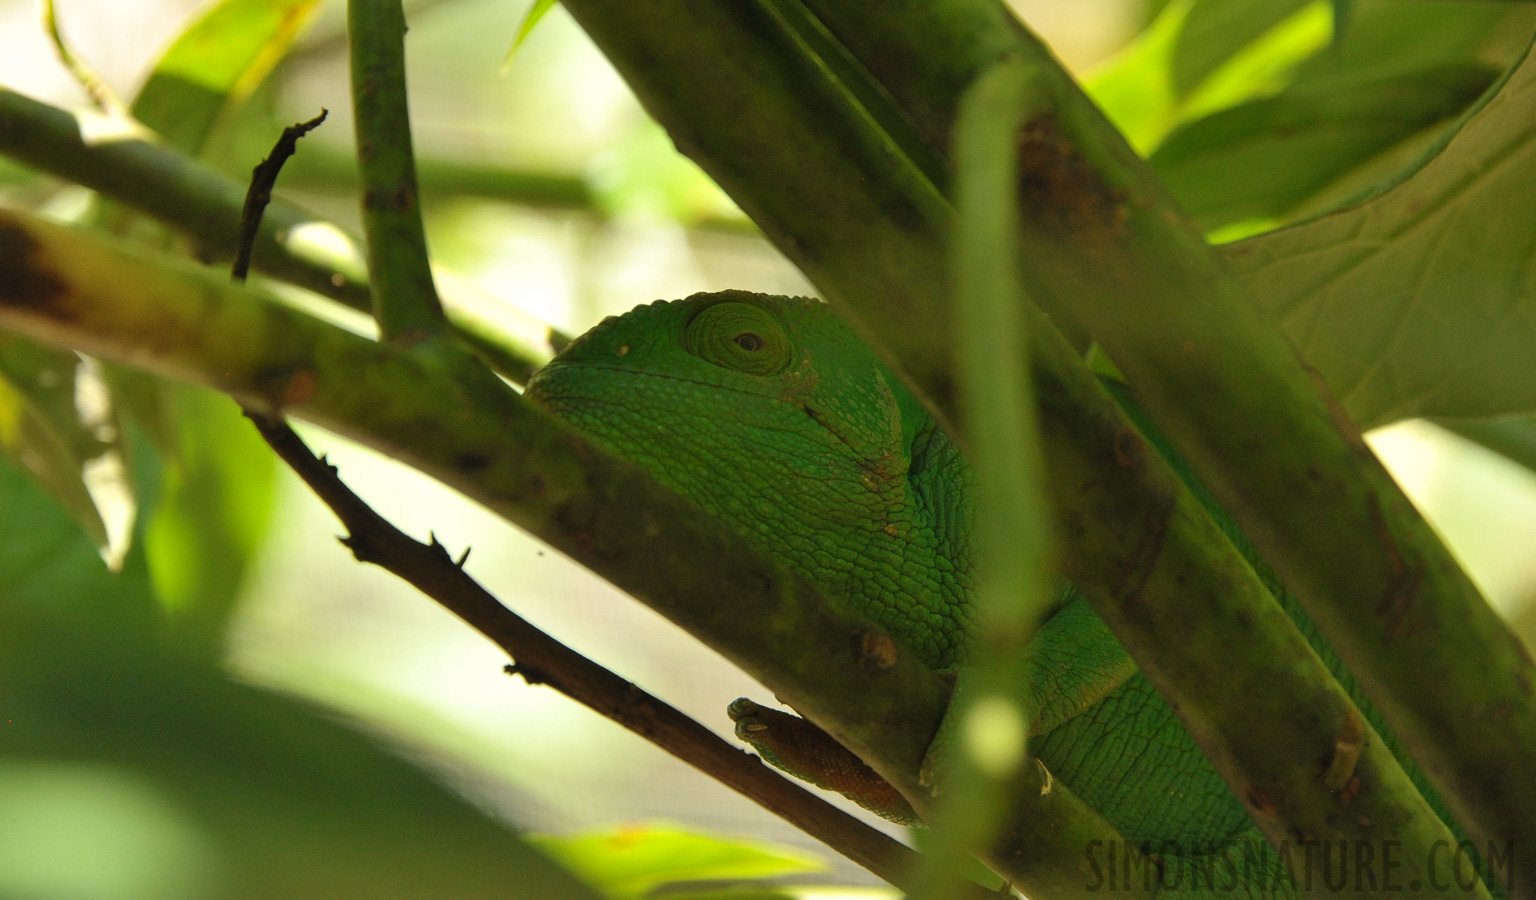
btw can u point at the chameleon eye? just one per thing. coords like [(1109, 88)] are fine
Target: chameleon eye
[(742, 337)]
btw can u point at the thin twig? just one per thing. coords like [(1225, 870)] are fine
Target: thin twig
[(541, 659), (259, 194), (95, 86)]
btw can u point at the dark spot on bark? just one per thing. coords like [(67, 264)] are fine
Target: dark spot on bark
[(301, 387), (370, 199), (943, 391), (1347, 746), (1154, 531), (1260, 802), (1403, 583), (1350, 791), (535, 487), (401, 198), (24, 282), (877, 649), (1061, 190), (471, 461), (1130, 450)]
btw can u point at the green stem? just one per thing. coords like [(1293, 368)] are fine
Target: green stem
[(205, 205), (1107, 247), (404, 297), (722, 79), (1013, 543)]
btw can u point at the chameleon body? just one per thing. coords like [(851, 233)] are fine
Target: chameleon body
[(771, 414)]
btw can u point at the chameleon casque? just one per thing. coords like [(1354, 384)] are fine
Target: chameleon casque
[(773, 416)]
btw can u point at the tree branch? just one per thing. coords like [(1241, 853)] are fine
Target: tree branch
[(259, 194)]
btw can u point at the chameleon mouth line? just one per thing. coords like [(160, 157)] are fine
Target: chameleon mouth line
[(804, 407), (644, 374)]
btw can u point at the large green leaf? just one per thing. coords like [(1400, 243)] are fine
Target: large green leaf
[(633, 862), (1242, 158), (1216, 30), (41, 428), (1136, 88), (48, 563), (213, 509), (215, 64), (128, 771), (1266, 157), (1422, 300)]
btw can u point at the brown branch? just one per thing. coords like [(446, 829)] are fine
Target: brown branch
[(540, 659)]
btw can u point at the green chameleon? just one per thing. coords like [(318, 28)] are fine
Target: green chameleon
[(771, 414)]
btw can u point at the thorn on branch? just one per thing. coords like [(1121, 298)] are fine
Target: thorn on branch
[(529, 674), (463, 557)]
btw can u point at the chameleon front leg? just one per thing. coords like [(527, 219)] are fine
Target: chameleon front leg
[(798, 747), (1075, 662)]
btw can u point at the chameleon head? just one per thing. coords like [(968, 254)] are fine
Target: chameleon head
[(771, 414)]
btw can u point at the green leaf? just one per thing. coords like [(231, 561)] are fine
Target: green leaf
[(129, 771), (632, 862), (48, 563), (1422, 300), (1388, 40), (214, 507), (42, 431), (1266, 157), (1343, 15), (1216, 30), (212, 68), (1137, 92), (530, 20)]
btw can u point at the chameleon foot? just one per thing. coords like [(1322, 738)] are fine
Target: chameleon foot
[(794, 745)]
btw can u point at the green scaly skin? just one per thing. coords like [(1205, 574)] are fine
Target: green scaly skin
[(770, 414)]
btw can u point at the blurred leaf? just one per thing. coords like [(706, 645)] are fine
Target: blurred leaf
[(243, 794), (1343, 14), (631, 862), (214, 507), (1327, 139), (733, 894), (41, 429), (1214, 32), (1265, 157), (143, 399), (1422, 301), (1136, 90), (646, 177), (530, 20), (1389, 40), (215, 64), (48, 563)]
